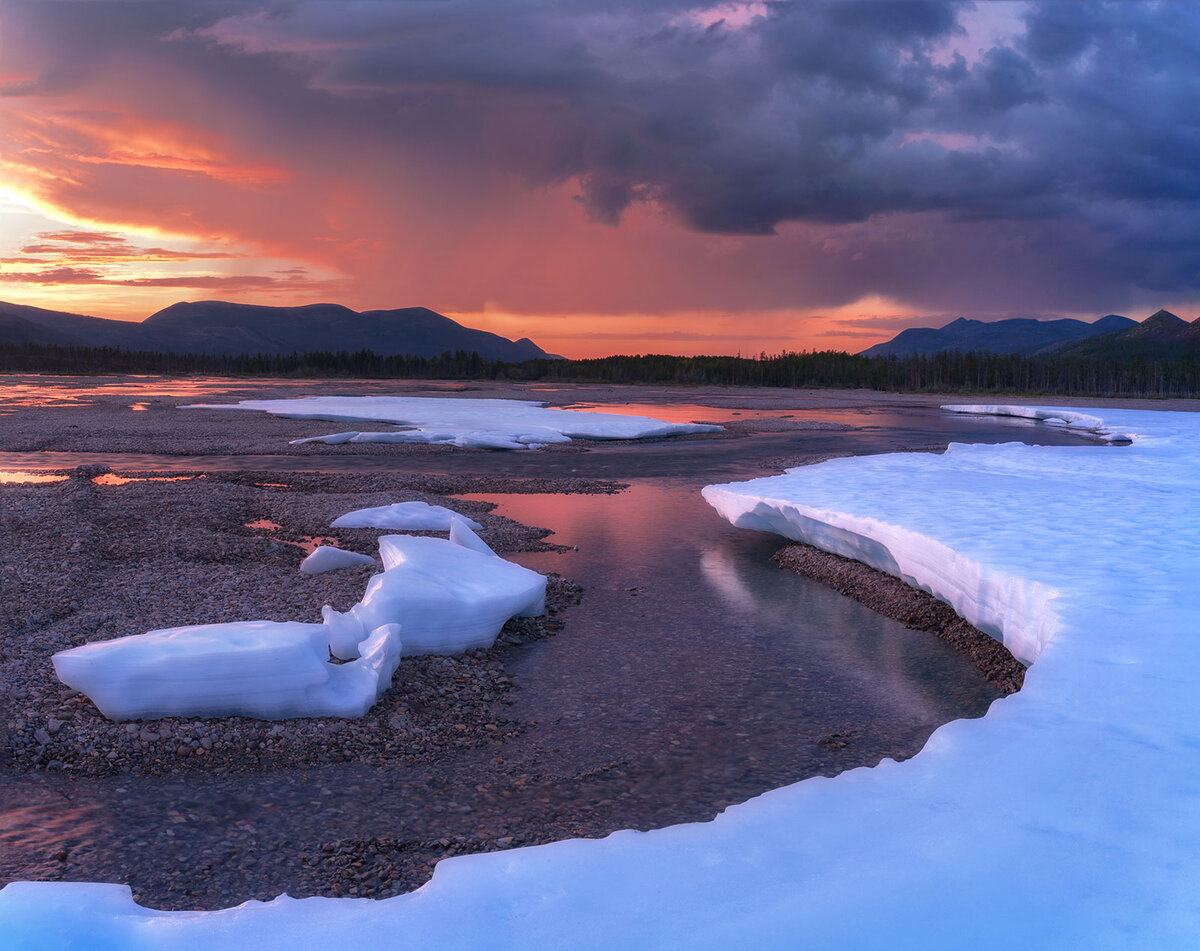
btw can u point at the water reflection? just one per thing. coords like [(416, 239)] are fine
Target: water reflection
[(111, 478), (28, 478), (687, 623)]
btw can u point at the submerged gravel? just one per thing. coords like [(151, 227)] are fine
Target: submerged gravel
[(916, 609)]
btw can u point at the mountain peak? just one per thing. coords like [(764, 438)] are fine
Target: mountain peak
[(215, 327)]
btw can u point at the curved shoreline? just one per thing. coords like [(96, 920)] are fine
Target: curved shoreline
[(887, 595)]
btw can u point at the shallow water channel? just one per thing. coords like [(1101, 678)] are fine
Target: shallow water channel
[(693, 675)]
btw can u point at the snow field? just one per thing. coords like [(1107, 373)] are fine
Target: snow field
[(1067, 818)]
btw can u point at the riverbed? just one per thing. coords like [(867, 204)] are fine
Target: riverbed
[(691, 674)]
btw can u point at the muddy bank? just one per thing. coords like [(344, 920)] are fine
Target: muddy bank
[(916, 609)]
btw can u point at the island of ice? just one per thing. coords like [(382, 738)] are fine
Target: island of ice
[(448, 596), (266, 669), (403, 516), (466, 423), (1067, 819), (327, 558)]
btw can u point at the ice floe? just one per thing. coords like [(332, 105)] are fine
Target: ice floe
[(1051, 415), (327, 558), (466, 423), (446, 597), (267, 669), (403, 516), (461, 534), (1067, 819)]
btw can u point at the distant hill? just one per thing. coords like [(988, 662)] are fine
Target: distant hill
[(219, 327), (1162, 336), (1017, 335)]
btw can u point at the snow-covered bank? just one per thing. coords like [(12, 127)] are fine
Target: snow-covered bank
[(1067, 818), (466, 423)]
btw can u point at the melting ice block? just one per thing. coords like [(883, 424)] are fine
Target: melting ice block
[(266, 669), (461, 534), (447, 597), (403, 516), (327, 558), (466, 423)]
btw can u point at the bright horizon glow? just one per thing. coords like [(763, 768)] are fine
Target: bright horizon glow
[(736, 191)]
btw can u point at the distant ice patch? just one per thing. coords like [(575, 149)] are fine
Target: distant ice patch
[(403, 516), (266, 669), (327, 558), (1052, 415), (466, 423)]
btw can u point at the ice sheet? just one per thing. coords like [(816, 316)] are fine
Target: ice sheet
[(466, 423), (266, 669), (403, 516), (447, 597), (327, 558), (1067, 818)]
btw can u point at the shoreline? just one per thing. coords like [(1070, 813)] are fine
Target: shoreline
[(916, 609), (105, 560)]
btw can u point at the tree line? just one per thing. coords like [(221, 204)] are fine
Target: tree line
[(949, 371)]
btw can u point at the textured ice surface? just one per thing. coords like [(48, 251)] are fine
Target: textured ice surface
[(327, 558), (461, 534), (446, 597), (467, 423), (268, 669), (1067, 818), (403, 516)]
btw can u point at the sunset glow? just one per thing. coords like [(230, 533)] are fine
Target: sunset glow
[(526, 171)]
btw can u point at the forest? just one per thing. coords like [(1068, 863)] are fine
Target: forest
[(946, 372)]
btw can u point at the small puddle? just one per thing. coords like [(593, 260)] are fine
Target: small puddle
[(110, 478), (306, 543), (263, 525), (28, 478)]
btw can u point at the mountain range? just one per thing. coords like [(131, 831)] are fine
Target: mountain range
[(219, 327), (1162, 336), (1018, 335)]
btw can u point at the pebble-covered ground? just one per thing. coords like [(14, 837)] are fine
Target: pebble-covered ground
[(95, 561), (891, 597)]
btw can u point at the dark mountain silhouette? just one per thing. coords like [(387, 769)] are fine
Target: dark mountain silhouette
[(219, 327), (1017, 335), (1162, 336)]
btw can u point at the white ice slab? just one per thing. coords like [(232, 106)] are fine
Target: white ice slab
[(461, 534), (266, 669), (446, 597), (327, 558), (1067, 819), (467, 423), (403, 516)]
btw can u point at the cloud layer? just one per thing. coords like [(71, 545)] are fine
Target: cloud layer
[(557, 158)]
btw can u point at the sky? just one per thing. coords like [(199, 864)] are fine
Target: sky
[(609, 176)]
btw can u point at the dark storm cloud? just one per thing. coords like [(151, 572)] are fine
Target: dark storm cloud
[(1083, 124)]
